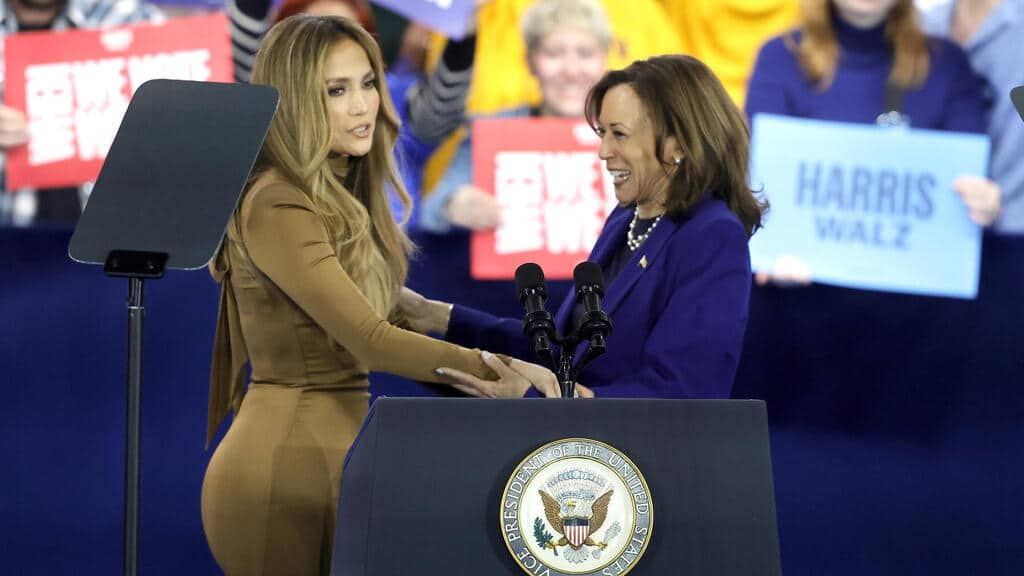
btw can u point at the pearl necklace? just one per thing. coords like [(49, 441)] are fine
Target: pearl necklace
[(633, 241)]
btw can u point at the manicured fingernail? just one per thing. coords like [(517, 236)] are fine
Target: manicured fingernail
[(439, 371), (486, 355)]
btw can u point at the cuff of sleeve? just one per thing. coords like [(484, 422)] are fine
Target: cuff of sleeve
[(458, 54), (461, 325)]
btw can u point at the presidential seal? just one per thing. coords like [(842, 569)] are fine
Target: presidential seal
[(576, 506)]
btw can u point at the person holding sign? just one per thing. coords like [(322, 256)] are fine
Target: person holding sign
[(674, 253), (989, 32), (870, 62), (567, 44), (310, 270), (55, 206)]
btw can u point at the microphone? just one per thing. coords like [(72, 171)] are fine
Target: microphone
[(595, 325), (538, 325)]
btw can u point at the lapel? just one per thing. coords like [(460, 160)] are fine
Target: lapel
[(612, 238), (613, 235), (644, 261)]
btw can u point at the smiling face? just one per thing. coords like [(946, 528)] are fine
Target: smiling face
[(566, 62), (352, 98), (627, 147)]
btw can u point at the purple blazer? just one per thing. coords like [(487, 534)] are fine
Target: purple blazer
[(677, 323)]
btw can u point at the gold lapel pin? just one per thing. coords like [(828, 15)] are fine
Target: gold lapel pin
[(643, 262)]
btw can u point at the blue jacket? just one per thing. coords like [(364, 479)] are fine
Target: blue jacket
[(678, 322)]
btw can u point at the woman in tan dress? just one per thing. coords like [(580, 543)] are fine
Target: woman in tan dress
[(310, 272)]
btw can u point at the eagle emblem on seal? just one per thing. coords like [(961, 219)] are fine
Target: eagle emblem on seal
[(576, 519), (575, 506)]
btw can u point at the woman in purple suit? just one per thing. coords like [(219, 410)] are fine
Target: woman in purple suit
[(674, 253)]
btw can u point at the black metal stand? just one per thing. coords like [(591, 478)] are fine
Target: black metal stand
[(136, 266), (168, 187), (564, 372)]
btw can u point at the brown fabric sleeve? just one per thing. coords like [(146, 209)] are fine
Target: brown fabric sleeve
[(287, 241)]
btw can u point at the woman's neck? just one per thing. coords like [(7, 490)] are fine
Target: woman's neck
[(339, 164), (649, 210), (869, 41)]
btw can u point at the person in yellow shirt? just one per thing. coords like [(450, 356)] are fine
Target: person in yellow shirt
[(501, 78), (727, 34)]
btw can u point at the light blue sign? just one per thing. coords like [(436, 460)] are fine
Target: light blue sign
[(449, 17), (868, 207)]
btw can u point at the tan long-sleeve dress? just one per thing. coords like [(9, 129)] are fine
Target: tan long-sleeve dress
[(271, 489)]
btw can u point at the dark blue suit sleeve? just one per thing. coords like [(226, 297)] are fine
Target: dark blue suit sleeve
[(473, 328), (693, 349)]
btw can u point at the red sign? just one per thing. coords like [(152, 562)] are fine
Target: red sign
[(553, 191), (74, 87)]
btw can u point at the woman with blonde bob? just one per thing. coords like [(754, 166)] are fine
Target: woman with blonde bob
[(310, 270), (674, 253)]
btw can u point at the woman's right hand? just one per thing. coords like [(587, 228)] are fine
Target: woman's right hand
[(789, 271), (510, 383), (472, 207), (423, 314), (514, 380)]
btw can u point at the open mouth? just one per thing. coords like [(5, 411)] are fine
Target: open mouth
[(619, 176)]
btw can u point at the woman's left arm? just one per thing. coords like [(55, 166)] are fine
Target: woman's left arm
[(965, 112), (693, 349)]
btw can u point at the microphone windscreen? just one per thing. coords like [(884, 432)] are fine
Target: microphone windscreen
[(588, 274), (528, 276)]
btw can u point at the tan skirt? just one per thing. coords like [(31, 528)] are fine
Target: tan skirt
[(271, 489)]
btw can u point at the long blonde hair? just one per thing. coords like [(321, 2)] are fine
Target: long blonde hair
[(354, 206), (818, 50)]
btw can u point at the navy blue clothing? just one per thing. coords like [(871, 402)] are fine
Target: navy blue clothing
[(949, 99)]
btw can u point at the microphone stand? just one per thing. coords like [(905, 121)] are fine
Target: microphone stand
[(564, 371)]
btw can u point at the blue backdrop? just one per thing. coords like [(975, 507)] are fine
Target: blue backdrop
[(897, 421)]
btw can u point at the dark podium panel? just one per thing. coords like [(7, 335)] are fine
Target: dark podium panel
[(423, 483)]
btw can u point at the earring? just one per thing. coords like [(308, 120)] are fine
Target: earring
[(677, 161)]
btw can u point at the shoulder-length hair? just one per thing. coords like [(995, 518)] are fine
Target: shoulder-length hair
[(683, 99), (817, 50), (353, 202)]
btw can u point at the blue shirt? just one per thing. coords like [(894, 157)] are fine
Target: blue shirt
[(433, 211), (995, 54)]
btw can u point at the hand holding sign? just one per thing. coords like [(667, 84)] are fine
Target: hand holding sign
[(869, 207), (73, 87), (982, 196), (13, 128), (554, 196), (474, 208)]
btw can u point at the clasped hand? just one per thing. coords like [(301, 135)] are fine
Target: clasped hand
[(514, 380)]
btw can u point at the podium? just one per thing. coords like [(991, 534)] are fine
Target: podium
[(423, 485)]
